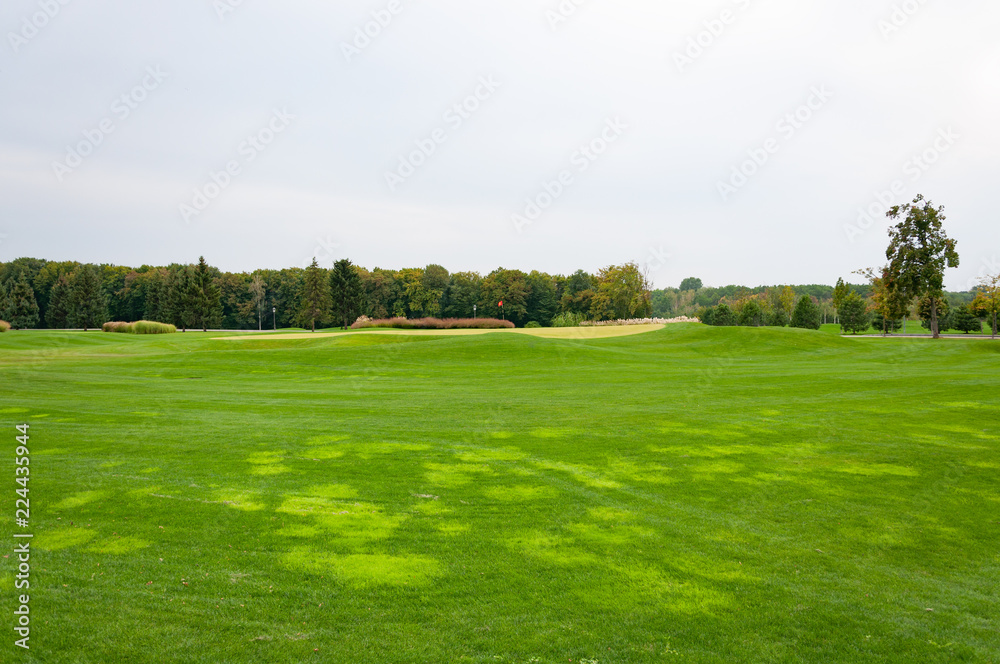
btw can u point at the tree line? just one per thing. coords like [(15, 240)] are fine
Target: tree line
[(35, 293)]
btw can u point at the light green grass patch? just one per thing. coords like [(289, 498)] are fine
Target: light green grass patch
[(309, 505), (606, 537), (49, 451), (455, 474), (79, 499), (489, 455), (370, 569), (553, 549), (876, 469), (451, 529), (62, 538), (367, 450), (360, 528), (432, 508), (299, 531), (324, 453), (520, 493), (336, 491), (552, 432), (581, 474), (239, 500)]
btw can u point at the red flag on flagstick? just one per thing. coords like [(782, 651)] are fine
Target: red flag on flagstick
[(501, 303)]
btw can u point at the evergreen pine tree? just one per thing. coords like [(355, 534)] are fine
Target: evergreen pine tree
[(806, 315), (87, 305), (4, 302), (966, 321), (853, 314), (205, 297), (156, 297), (22, 309), (346, 291), (179, 307), (315, 303), (57, 313)]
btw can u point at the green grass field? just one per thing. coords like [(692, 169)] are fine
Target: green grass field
[(692, 494)]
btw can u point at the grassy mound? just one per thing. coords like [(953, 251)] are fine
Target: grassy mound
[(139, 327), (400, 323)]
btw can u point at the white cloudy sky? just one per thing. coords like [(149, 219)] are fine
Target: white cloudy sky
[(653, 195)]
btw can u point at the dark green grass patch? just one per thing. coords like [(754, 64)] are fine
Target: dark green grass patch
[(694, 494)]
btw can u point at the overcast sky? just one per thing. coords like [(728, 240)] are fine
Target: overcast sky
[(734, 140)]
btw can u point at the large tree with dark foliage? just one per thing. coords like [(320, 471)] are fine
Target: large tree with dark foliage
[(88, 306), (180, 307), (806, 315), (60, 301), (691, 283), (966, 321), (315, 303), (22, 309), (205, 297), (347, 292), (919, 252), (853, 313)]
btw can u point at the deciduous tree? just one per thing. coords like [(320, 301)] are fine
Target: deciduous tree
[(987, 302), (622, 292), (509, 287), (919, 252), (690, 284), (463, 293)]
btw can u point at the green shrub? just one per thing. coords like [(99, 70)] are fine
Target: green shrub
[(724, 316), (750, 314), (4, 326), (532, 324), (568, 319), (777, 318)]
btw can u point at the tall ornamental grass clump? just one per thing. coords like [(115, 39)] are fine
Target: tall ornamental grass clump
[(152, 327), (117, 326), (401, 323), (139, 327), (4, 326)]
